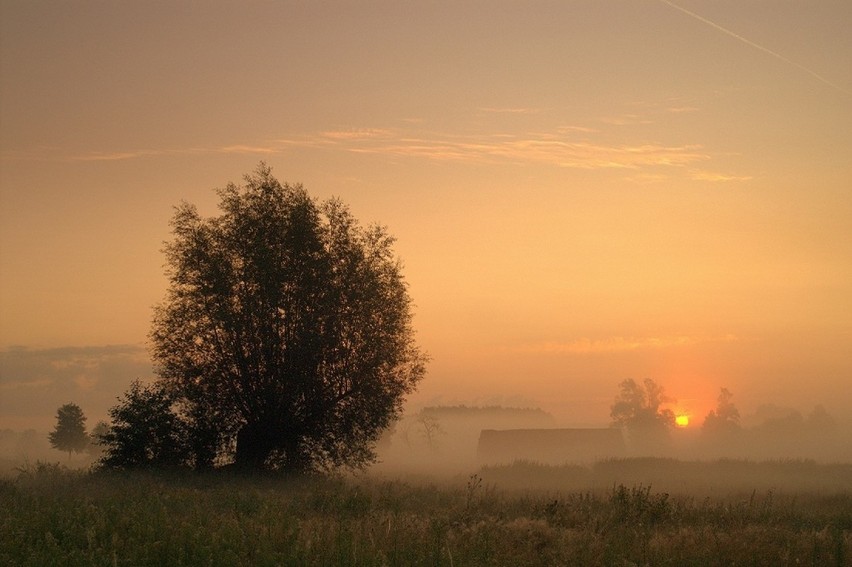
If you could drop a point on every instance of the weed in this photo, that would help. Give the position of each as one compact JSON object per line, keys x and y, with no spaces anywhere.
{"x":474,"y":484}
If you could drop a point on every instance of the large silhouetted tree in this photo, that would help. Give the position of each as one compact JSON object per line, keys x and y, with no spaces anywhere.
{"x":637,"y":408}
{"x":70,"y":431}
{"x":286,"y":330}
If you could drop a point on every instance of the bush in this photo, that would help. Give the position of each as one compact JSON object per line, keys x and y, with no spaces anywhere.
{"x":145,"y":431}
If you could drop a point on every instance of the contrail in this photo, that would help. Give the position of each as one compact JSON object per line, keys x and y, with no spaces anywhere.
{"x":758,"y":46}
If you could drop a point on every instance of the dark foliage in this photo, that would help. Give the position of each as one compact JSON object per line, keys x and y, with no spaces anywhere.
{"x":286,"y":332}
{"x":95,"y":446}
{"x":145,"y":431}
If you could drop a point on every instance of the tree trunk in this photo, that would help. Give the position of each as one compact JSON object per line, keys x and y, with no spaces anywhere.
{"x":256,"y":442}
{"x":253,"y":447}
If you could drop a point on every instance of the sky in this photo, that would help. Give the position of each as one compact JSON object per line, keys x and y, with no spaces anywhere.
{"x":582,"y":191}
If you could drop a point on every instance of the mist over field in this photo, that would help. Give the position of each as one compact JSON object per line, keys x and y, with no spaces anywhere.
{"x":440,"y":440}
{"x":445,"y":441}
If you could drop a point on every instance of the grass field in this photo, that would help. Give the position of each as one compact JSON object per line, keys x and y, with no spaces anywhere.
{"x":49,"y":516}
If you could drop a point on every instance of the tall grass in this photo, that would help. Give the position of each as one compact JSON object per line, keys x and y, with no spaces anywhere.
{"x":49,"y":516}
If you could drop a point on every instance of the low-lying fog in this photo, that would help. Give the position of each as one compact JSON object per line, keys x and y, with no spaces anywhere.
{"x":450,"y":440}
{"x":446,"y":441}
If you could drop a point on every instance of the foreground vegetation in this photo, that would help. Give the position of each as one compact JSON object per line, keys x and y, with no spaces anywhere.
{"x":50,"y":516}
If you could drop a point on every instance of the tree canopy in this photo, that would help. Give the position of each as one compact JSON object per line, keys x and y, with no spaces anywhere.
{"x":145,"y":431}
{"x":69,"y":434}
{"x":285,"y":337}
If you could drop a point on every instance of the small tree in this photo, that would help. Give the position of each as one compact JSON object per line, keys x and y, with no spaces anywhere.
{"x":70,"y":431}
{"x":145,"y":431}
{"x":430,"y":429}
{"x":637,"y":410}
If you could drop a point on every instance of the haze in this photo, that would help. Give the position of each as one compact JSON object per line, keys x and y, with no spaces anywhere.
{"x":582,"y":191}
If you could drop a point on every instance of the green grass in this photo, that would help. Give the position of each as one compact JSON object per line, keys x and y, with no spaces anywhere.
{"x":55,"y":517}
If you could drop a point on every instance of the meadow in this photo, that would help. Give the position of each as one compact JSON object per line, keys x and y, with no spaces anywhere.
{"x":779,"y":513}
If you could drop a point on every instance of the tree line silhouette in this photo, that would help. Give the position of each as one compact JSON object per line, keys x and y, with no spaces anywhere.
{"x":639,"y":410}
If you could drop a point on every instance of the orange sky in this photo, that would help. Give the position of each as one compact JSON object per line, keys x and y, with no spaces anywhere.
{"x":582,"y":191}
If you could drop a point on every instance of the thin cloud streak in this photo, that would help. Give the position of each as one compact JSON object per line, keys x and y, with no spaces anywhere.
{"x":758,"y":46}
{"x":581,"y":129}
{"x":245,"y":149}
{"x":541,"y":148}
{"x":547,"y":148}
{"x":118,"y":156}
{"x":587,"y":346}
{"x":232,"y":149}
{"x":567,"y":146}
{"x":626,"y":120}
{"x":518,"y":110}
{"x":699,"y":175}
{"x":358,"y":134}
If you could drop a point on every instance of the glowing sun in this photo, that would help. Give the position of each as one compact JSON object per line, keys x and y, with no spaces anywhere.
{"x":682,"y":420}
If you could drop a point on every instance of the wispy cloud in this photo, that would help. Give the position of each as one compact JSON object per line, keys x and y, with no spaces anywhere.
{"x":117,"y":156}
{"x":681,"y":109}
{"x":626,"y":120}
{"x":567,"y":146}
{"x":587,"y":346}
{"x":358,"y":134}
{"x":651,"y":177}
{"x":510,"y":110}
{"x":247,"y":149}
{"x":575,"y":129}
{"x":655,"y":107}
{"x":699,"y":175}
{"x":271,"y":147}
{"x":556,"y":148}
{"x":547,"y":148}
